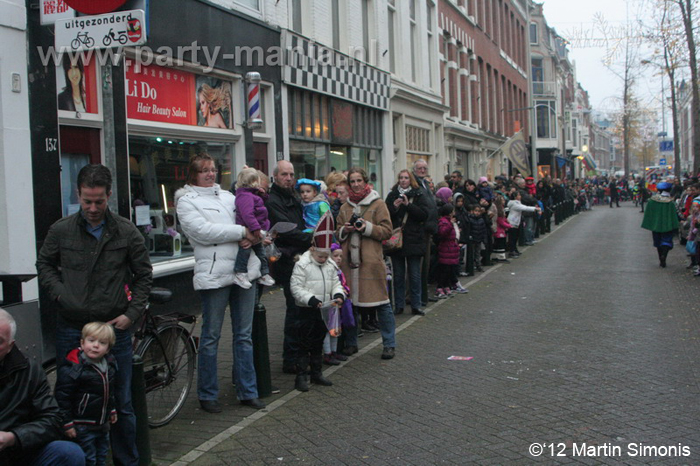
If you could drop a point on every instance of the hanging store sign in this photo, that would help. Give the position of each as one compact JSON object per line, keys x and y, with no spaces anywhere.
{"x":166,"y":95}
{"x":103,"y":31}
{"x":51,"y":11}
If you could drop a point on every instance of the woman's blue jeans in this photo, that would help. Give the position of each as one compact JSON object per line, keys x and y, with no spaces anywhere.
{"x":241,"y":303}
{"x":399,"y":264}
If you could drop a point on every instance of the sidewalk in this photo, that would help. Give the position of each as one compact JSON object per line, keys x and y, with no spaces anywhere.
{"x":192,"y":426}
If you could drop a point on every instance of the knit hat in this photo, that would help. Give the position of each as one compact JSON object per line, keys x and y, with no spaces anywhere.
{"x":323,"y":234}
{"x":664,"y":186}
{"x":314,"y":183}
{"x":444,"y":194}
{"x":335,"y":247}
{"x":483,"y":179}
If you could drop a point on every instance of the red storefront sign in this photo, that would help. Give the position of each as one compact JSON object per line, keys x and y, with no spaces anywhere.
{"x":155,"y":93}
{"x":95,"y":7}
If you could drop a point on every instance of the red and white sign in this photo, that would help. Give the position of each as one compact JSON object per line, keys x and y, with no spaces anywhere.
{"x":51,"y":11}
{"x":95,"y":7}
{"x":97,"y":32}
{"x":155,"y":93}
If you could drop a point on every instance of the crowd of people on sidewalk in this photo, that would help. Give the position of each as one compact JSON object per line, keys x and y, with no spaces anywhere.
{"x":347,"y":259}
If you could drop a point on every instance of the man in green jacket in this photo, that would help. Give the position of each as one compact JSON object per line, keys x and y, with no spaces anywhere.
{"x":95,"y":265}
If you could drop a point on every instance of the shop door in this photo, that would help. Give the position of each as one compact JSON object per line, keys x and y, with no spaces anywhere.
{"x":260,"y":157}
{"x":79,"y":147}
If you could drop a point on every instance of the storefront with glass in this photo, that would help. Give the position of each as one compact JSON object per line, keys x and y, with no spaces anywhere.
{"x":336,"y":112}
{"x":327,"y":134}
{"x":145,"y":116}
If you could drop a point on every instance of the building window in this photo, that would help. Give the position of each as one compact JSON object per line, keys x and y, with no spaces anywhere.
{"x":252,"y":4}
{"x":308,"y":115}
{"x":414,"y":46}
{"x":431,"y":43}
{"x":537,"y":76}
{"x":546,"y":119}
{"x":366,"y":25}
{"x":335,"y":13}
{"x":391,"y":10}
{"x":296,"y":16}
{"x":157,"y":168}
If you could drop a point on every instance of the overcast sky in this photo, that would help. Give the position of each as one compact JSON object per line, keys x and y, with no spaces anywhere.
{"x":580,"y":23}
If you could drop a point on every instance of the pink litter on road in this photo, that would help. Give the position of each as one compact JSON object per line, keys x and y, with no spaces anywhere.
{"x":460,"y":358}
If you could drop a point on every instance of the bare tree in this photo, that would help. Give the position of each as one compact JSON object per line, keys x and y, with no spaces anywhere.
{"x":687,"y":8}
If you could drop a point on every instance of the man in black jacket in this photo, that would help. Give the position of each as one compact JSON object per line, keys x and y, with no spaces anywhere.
{"x":30,"y":420}
{"x":420,"y":171}
{"x":284,"y":206}
{"x":95,"y":266}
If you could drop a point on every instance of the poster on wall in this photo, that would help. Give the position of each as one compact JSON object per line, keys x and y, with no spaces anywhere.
{"x":214,"y":106}
{"x":76,"y":84}
{"x":166,"y":95}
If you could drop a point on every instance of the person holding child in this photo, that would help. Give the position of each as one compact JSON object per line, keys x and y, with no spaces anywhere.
{"x":252,"y":214}
{"x":315,"y":282}
{"x":207,"y":216}
{"x":85,"y":391}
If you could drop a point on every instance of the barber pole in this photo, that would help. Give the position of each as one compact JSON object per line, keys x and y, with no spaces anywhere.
{"x":254,"y":120}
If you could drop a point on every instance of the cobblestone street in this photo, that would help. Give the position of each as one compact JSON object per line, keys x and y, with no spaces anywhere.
{"x":583,"y":342}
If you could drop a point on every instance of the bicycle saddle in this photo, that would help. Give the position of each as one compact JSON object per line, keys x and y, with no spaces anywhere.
{"x":160,"y":295}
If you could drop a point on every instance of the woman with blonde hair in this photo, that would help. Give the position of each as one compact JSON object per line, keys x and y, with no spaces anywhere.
{"x":213,"y":101}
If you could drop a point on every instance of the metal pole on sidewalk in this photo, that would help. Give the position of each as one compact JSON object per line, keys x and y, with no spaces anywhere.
{"x":138,"y":401}
{"x":261,"y":351}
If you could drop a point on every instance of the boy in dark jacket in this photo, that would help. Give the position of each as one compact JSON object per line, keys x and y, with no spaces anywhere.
{"x":85,"y":391}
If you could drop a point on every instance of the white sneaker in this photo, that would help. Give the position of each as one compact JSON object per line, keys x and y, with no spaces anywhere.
{"x":241,"y":279}
{"x":460,"y":289}
{"x":266,"y":280}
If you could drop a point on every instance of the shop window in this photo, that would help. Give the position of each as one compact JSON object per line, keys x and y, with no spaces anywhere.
{"x":368,"y":159}
{"x":157,"y":168}
{"x":309,"y":159}
{"x":79,"y":147}
{"x":308,"y":115}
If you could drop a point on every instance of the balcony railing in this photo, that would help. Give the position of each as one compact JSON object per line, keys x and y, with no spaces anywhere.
{"x":544,"y":89}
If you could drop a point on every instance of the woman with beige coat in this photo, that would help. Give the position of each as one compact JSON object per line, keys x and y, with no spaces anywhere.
{"x":364,"y":222}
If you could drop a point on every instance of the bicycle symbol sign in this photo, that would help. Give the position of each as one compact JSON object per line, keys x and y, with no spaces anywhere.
{"x":110,"y":30}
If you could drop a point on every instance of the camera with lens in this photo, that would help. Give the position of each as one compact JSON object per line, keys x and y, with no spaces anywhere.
{"x":355,"y":221}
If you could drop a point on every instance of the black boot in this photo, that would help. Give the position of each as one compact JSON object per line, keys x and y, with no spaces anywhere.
{"x":316,"y":374}
{"x":319,"y":379}
{"x":663,"y":253}
{"x":301,"y":383}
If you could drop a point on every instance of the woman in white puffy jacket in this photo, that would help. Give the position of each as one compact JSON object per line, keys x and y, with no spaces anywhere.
{"x":314,"y":281}
{"x":207,"y":214}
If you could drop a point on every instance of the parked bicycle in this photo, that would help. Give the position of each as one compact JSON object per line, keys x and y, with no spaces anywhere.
{"x":168,"y":349}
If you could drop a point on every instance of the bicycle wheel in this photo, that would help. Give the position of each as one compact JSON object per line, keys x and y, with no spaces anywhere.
{"x":168,"y":366}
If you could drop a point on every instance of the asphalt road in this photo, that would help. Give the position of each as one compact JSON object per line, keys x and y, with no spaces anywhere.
{"x":584,"y":347}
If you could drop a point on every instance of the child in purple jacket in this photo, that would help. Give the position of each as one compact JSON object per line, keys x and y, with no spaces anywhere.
{"x":252,"y":214}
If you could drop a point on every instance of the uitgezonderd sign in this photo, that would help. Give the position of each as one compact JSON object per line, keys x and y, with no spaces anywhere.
{"x":102,"y":31}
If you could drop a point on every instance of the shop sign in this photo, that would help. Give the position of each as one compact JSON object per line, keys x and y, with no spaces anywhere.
{"x":95,"y":7}
{"x":97,"y":32}
{"x":166,"y":95}
{"x":51,"y":11}
{"x":76,"y":85}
